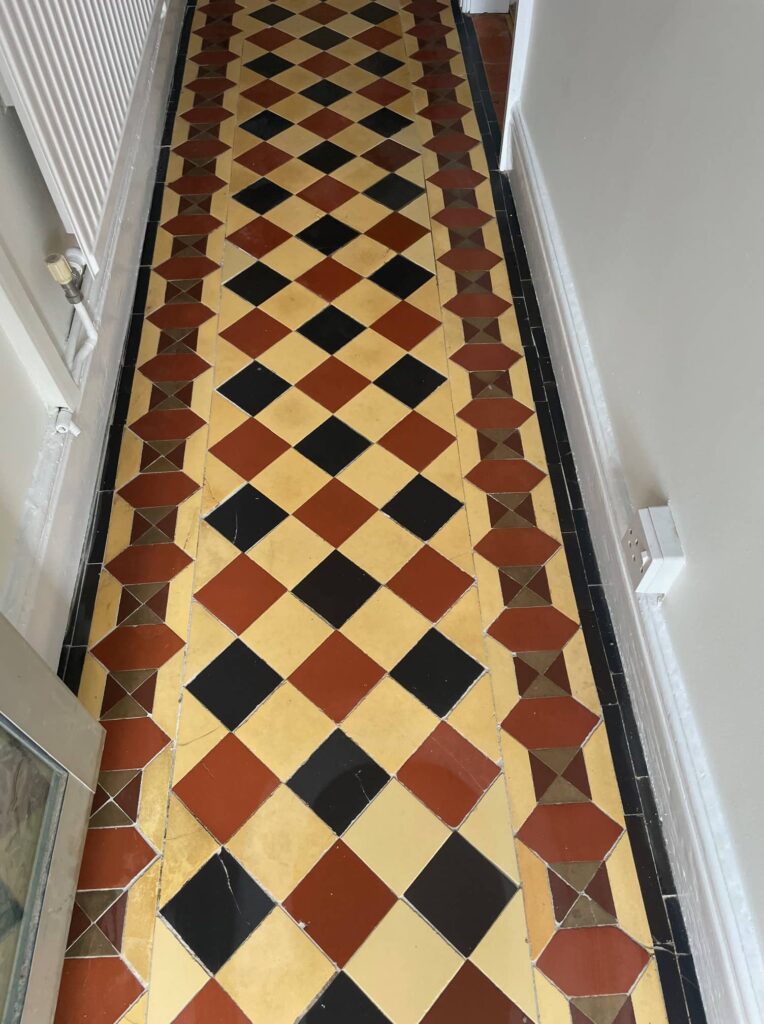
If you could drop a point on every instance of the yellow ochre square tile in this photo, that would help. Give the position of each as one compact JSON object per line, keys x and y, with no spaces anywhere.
{"x":175,"y":977}
{"x":489,"y":829}
{"x":381,"y":547}
{"x":372,"y":412}
{"x":188,"y":845}
{"x":286,"y":634}
{"x":290,"y":552}
{"x":281,"y":842}
{"x":285,"y":730}
{"x":503,"y":956}
{"x":390,"y":724}
{"x":377,"y":475}
{"x":291,"y":971}
{"x":386,"y":628}
{"x":292,"y":358}
{"x":291,"y":479}
{"x":396,"y":836}
{"x":404,"y":965}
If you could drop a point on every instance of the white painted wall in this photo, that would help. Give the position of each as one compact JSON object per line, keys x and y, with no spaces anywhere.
{"x":645,"y":125}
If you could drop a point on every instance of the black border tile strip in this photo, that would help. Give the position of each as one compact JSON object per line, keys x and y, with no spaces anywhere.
{"x":81,"y":612}
{"x":675,"y":962}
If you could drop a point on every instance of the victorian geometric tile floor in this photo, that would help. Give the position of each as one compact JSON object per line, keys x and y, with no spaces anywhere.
{"x":355,"y":766}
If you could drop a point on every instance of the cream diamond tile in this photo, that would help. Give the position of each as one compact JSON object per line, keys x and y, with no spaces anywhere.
{"x":359,"y":174}
{"x":377,"y":475}
{"x":219,"y":483}
{"x":396,"y":836}
{"x":294,"y":214}
{"x":207,"y":638}
{"x":404,"y":965}
{"x":175,"y":977}
{"x":356,"y":139}
{"x":291,"y":479}
{"x":294,"y":305}
{"x":290,"y":552}
{"x":386,"y":628}
{"x":291,"y":971}
{"x":475,"y":719}
{"x":235,"y":260}
{"x":502,"y":955}
{"x":293,"y":258}
{"x":285,"y":730}
{"x":281,"y":842}
{"x":371,"y":355}
{"x":188,"y":845}
{"x":363,"y":255}
{"x":292,"y":358}
{"x":213,"y":554}
{"x":372,"y":412}
{"x":286,"y":634}
{"x":294,"y":176}
{"x":365,"y":301}
{"x":381,"y":547}
{"x":224,"y":415}
{"x":462,"y":624}
{"x":488,"y":828}
{"x":198,"y":733}
{"x":390,"y":724}
{"x":359,"y":212}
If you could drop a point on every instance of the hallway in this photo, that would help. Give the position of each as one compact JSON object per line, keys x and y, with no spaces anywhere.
{"x":356,"y":768}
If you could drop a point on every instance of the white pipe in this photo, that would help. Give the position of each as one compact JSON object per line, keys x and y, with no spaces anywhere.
{"x":85,"y":350}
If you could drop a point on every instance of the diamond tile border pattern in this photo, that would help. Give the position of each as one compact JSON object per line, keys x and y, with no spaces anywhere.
{"x":226,"y":350}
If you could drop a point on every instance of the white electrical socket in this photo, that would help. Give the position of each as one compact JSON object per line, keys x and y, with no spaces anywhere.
{"x":654,"y":552}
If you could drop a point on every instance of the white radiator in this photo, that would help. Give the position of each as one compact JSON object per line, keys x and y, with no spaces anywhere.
{"x":71,"y":71}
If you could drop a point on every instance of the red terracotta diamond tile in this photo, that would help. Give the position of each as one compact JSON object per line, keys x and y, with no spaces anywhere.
{"x":324,"y":64}
{"x":416,"y":440}
{"x":323,"y":13}
{"x":167,"y":424}
{"x":181,"y":315}
{"x":382,"y":92}
{"x":148,"y":563}
{"x":468,"y":990}
{"x":561,"y":833}
{"x":430,"y":583}
{"x":469,"y":258}
{"x":376,"y":38}
{"x":405,"y":325}
{"x":174,"y":366}
{"x":517,"y":546}
{"x":185,"y":268}
{"x":486,"y":357}
{"x":336,"y":676}
{"x":196,"y":184}
{"x":212,"y":1006}
{"x":95,"y":990}
{"x":335,"y":512}
{"x":462,"y":216}
{"x":249,"y":448}
{"x":333,"y":383}
{"x":206,"y":115}
{"x":457,"y":177}
{"x":329,"y":279}
{"x":131,"y":743}
{"x":533,"y":629}
{"x":448,"y":774}
{"x":327,"y":194}
{"x":390,"y":155}
{"x":128,"y":648}
{"x":593,"y":961}
{"x":255,"y":333}
{"x":396,"y":232}
{"x":227,"y":786}
{"x":195,"y":225}
{"x":155,"y":490}
{"x":259,"y":237}
{"x":240,"y":593}
{"x":263,"y":158}
{"x":477,"y":304}
{"x":113,"y":857}
{"x":451,"y":142}
{"x":325,"y":123}
{"x":505,"y":476}
{"x":339,"y":903}
{"x":194,"y":148}
{"x":444,"y":110}
{"x":550,"y":722}
{"x":495,"y":412}
{"x":266,"y":93}
{"x":270,"y":38}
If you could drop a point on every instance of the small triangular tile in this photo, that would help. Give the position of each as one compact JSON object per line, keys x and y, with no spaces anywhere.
{"x":92,"y":943}
{"x":563,"y":896}
{"x":94,"y":902}
{"x":129,"y":798}
{"x":599,"y":890}
{"x":115,"y":782}
{"x":109,"y":816}
{"x":577,"y":873}
{"x":131,"y":680}
{"x":600,"y":1009}
{"x":127,"y":707}
{"x":563,"y":792}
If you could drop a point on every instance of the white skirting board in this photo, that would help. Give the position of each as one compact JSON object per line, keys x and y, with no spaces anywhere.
{"x":722,"y":935}
{"x":50,"y":548}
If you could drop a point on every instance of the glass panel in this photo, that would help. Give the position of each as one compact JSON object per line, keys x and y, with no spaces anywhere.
{"x":31,"y":791}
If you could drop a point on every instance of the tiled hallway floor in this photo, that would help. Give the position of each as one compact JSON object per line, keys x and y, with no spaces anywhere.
{"x":355,"y":769}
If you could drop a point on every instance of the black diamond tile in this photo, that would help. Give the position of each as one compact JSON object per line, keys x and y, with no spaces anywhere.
{"x":217,"y":910}
{"x":380,"y":64}
{"x":246,"y":517}
{"x":336,"y":588}
{"x":338,"y":781}
{"x":326,"y":157}
{"x":332,"y":446}
{"x":422,"y":507}
{"x":394,"y":192}
{"x":262,"y":195}
{"x":253,"y":388}
{"x":373,"y":12}
{"x":385,"y":122}
{"x":461,"y":893}
{"x":327,"y":234}
{"x":325,"y":93}
{"x":234,"y":684}
{"x":437,"y":672}
{"x":331,"y":329}
{"x":410,"y":381}
{"x":272,"y":14}
{"x":257,"y":283}
{"x":266,"y":124}
{"x":323,"y":38}
{"x":342,"y":1003}
{"x":269,"y":65}
{"x":400,"y":276}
